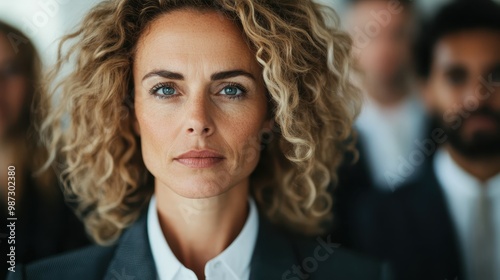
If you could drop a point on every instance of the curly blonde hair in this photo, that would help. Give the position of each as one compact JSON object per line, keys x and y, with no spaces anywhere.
{"x":306,"y":62}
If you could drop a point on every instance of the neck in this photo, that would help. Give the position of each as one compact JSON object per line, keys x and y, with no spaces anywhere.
{"x":481,"y":168}
{"x":197,"y":230}
{"x":387,"y":97}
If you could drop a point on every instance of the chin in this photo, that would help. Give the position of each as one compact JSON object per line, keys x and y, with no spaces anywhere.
{"x":197,"y":188}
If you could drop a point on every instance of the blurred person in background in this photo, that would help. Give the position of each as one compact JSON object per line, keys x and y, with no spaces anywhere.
{"x":392,"y":117}
{"x":445,"y":223}
{"x":44,"y":223}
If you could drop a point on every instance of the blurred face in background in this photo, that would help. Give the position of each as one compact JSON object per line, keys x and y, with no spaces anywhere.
{"x":382,"y":34}
{"x":13,"y":88}
{"x":463,"y":91}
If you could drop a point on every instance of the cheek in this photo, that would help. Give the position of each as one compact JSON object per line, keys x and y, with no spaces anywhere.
{"x":366,"y":58}
{"x":243,"y":136}
{"x":157,"y":136}
{"x":445,"y":97}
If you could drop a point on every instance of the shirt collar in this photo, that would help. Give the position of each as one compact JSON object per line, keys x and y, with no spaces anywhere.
{"x":235,"y":258}
{"x":456,"y":180}
{"x":409,"y":110}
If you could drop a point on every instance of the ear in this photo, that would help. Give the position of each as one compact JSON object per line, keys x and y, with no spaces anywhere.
{"x":266,"y":132}
{"x":268,"y":125}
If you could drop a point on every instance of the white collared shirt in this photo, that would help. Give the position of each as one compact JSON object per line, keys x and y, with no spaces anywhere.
{"x":389,"y":136}
{"x":462,"y":191}
{"x":232,"y":264}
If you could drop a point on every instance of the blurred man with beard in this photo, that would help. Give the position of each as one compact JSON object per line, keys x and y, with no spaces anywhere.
{"x":445,"y":222}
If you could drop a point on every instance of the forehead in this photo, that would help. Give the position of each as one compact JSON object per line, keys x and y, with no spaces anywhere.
{"x":472,"y":48}
{"x":363,"y":12}
{"x":190,"y":37}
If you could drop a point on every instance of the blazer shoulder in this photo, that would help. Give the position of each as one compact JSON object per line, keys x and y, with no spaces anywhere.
{"x":87,"y":263}
{"x":327,"y":260}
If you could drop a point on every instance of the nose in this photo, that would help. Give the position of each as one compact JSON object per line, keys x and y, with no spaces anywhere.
{"x":199,"y":120}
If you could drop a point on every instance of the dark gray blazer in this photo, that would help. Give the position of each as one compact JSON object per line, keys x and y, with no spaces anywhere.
{"x":411,"y":227}
{"x":277,"y":255}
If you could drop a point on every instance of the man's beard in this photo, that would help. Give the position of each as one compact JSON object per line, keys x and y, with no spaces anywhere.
{"x":481,"y":144}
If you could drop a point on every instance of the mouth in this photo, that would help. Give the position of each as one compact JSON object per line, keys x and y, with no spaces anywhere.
{"x":481,"y":123}
{"x":200,"y":159}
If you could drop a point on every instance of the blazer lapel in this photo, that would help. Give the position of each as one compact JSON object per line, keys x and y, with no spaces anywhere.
{"x":133,"y":258}
{"x":274,"y":253}
{"x":436,"y":230}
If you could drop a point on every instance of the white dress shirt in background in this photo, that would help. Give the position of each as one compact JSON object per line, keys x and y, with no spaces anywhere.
{"x":232,"y":264}
{"x":388,"y":137}
{"x":463,"y":192}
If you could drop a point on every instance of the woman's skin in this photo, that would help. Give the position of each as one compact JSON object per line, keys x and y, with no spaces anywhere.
{"x":198,"y":87}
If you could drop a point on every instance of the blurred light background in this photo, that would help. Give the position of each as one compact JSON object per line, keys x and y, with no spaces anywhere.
{"x":44,"y":21}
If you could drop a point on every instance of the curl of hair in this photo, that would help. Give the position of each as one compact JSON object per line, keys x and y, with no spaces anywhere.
{"x":306,"y":62}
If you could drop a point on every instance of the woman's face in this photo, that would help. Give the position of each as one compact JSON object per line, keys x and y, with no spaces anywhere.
{"x":13,"y":87}
{"x":200,"y":103}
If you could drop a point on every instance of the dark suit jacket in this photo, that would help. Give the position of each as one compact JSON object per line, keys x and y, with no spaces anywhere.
{"x":354,"y":181}
{"x":411,"y":228}
{"x":277,"y":255}
{"x":44,"y":227}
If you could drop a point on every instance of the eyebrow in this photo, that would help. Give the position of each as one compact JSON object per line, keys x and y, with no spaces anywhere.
{"x":164,"y":74}
{"x":230,"y":74}
{"x":214,"y":77}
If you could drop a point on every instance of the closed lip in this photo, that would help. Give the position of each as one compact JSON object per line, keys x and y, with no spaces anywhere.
{"x":200,"y":159}
{"x":200,"y":154}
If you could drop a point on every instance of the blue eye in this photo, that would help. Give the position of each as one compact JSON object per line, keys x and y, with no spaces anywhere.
{"x":166,"y":91}
{"x":232,"y":91}
{"x":163,"y":91}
